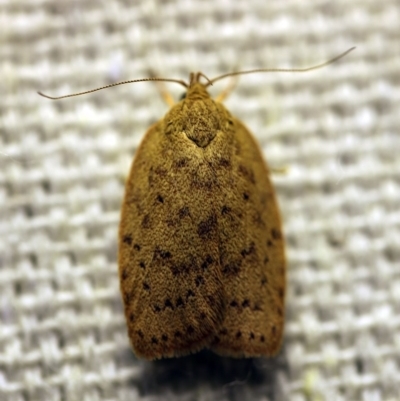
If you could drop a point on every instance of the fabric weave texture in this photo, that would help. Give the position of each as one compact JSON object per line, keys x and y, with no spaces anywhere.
{"x":63,"y":165}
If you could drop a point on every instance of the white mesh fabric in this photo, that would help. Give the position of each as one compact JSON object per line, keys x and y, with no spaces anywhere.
{"x":63,"y":164}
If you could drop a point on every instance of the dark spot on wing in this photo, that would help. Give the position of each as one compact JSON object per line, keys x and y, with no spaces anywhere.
{"x":276,"y":234}
{"x":206,"y":227}
{"x":127,"y":239}
{"x":231,"y":269}
{"x":183,"y":212}
{"x":207,"y":262}
{"x":146,"y":221}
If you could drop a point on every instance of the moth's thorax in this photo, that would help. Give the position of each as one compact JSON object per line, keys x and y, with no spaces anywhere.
{"x":198,"y":116}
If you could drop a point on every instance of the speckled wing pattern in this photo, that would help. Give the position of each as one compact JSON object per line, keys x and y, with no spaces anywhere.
{"x":169,"y":257}
{"x":253,"y":261}
{"x":201,"y":254}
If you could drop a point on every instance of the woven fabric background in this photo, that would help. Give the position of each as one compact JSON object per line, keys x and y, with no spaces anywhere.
{"x":62,"y":171}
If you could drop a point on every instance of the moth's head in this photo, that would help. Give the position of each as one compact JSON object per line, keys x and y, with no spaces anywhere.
{"x":196,"y":90}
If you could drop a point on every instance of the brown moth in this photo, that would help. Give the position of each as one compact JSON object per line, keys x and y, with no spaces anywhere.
{"x":201,"y":250}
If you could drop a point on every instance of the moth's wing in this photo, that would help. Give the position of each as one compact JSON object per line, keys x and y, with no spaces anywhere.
{"x":168,"y":250}
{"x":252,"y":255}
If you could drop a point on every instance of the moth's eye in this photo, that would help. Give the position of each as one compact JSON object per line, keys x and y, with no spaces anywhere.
{"x":183,"y":96}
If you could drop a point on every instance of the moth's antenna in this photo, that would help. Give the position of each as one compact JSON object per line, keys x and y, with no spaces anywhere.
{"x":210,"y":82}
{"x":315,"y":67}
{"x":183,"y":83}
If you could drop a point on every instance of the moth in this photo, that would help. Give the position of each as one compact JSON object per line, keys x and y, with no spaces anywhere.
{"x":201,"y":251}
